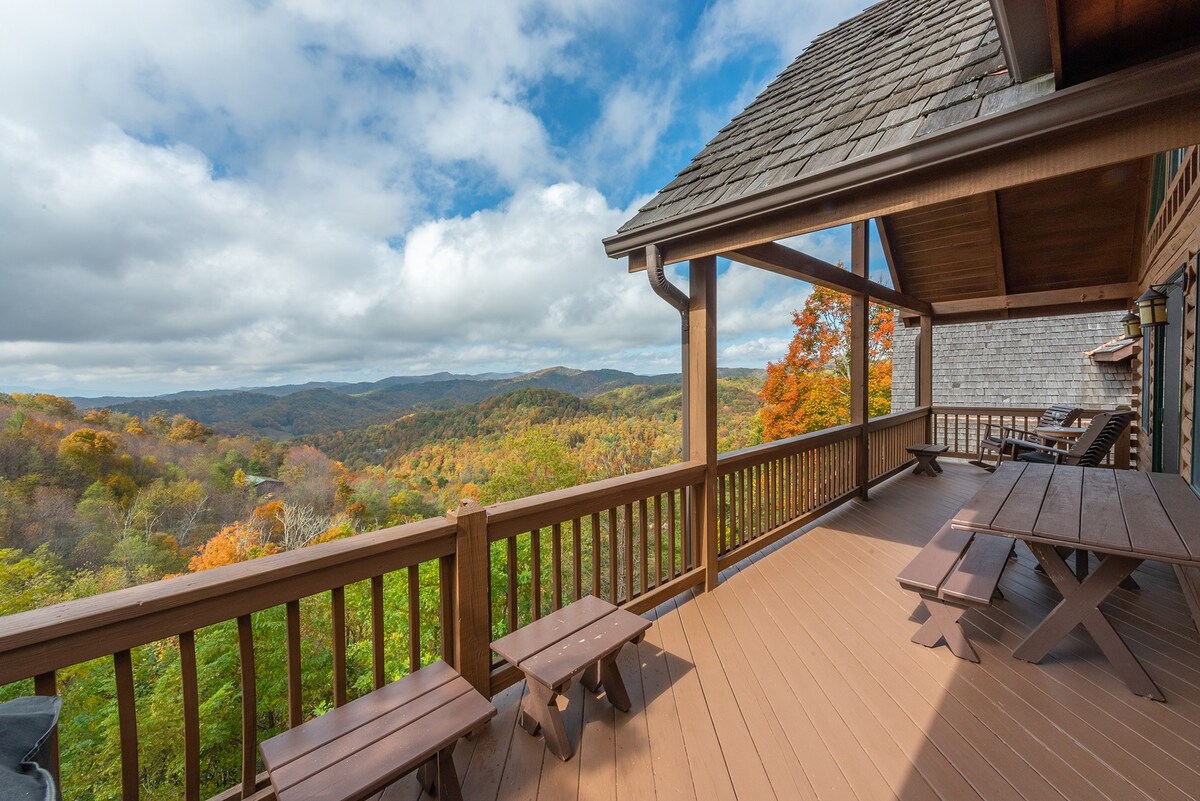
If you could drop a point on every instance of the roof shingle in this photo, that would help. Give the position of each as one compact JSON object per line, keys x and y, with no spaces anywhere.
{"x":900,"y":70}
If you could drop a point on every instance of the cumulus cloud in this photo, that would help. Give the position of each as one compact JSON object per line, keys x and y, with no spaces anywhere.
{"x":217,"y":193}
{"x":729,"y":26}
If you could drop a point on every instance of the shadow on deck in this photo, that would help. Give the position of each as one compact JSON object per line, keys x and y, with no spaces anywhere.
{"x":796,"y":679}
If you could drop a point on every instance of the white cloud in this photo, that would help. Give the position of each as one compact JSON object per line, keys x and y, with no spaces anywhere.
{"x":229,"y":192}
{"x":730,"y":26}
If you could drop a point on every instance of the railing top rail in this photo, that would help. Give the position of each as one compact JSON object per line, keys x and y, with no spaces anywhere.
{"x":897,"y":418}
{"x":75,"y":631}
{"x":525,"y":514}
{"x":755,"y":454}
{"x":1020,"y":411}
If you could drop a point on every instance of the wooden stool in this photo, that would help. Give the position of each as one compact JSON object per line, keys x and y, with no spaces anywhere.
{"x":585,"y":637}
{"x":926,"y":455}
{"x":358,"y":749}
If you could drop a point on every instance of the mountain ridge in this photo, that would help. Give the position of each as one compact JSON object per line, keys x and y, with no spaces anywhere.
{"x":295,"y":410}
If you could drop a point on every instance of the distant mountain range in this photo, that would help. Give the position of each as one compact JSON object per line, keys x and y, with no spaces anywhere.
{"x":293,"y":410}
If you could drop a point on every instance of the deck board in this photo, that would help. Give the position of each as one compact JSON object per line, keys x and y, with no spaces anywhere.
{"x":796,"y":679}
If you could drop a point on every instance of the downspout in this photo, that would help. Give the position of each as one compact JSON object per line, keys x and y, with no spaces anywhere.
{"x":678,"y":301}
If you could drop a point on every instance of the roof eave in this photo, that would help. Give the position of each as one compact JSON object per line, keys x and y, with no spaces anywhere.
{"x":1109,"y":97}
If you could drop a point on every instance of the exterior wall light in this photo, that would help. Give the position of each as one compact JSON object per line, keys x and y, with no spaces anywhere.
{"x":1152,"y":306}
{"x":1131,"y":326}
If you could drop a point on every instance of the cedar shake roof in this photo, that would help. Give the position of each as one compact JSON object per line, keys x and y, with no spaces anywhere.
{"x":899,"y":71}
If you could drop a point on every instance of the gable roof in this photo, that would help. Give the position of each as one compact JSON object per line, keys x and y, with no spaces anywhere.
{"x":901,"y":70}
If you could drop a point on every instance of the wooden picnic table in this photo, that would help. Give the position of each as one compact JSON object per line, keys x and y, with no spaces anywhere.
{"x":1124,"y":516}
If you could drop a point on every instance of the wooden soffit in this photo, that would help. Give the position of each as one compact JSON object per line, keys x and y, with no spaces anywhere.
{"x":1112,"y":120}
{"x":1028,"y":250}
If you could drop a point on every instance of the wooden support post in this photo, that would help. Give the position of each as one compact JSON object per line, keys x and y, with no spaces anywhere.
{"x":925,"y":371}
{"x":702,"y":410}
{"x":472,"y":596}
{"x":860,"y":354}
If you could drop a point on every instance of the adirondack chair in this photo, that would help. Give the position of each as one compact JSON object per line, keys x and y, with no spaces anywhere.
{"x":995,"y":436}
{"x":1088,"y":451}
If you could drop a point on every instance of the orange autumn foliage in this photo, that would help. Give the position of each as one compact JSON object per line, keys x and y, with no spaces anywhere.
{"x":809,"y":389}
{"x":234,"y":543}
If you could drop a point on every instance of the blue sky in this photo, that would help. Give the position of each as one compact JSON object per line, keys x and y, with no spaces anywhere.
{"x":238,"y":192}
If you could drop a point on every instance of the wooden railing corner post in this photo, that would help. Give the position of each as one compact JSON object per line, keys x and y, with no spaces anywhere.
{"x":472,"y":597}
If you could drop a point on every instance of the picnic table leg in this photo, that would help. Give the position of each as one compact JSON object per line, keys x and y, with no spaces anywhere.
{"x":539,"y":710}
{"x":614,"y":685}
{"x":437,"y":776}
{"x":591,"y":677}
{"x":944,"y":620}
{"x":1080,"y":604}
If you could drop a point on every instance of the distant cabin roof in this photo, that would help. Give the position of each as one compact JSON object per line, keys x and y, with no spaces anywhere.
{"x":900,"y":70}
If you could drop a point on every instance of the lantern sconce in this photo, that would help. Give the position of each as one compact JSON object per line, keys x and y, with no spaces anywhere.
{"x":1131,"y":326}
{"x":1152,"y":306}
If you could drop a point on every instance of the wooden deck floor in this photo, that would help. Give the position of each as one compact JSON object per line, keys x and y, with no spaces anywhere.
{"x":796,"y":679}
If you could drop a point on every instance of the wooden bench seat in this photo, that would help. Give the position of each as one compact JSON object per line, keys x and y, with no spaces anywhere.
{"x":955,"y":571}
{"x":362,"y":747}
{"x":584,"y":637}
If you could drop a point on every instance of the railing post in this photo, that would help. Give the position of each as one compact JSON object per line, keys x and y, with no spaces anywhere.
{"x":702,"y":411}
{"x":472,"y":596}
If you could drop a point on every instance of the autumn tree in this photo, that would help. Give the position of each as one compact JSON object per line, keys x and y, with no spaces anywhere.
{"x":809,"y":389}
{"x":236,"y":542}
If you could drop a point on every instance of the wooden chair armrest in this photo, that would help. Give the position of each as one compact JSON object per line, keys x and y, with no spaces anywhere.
{"x":1034,"y":446}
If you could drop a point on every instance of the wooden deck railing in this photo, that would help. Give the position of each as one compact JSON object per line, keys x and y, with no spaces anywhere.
{"x":437,"y":588}
{"x":768,"y":491}
{"x":961,"y":428}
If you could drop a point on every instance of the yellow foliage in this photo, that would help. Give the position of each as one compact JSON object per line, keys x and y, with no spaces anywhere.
{"x":234,"y":543}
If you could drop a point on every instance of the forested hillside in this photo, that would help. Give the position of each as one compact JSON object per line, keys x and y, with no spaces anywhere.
{"x":96,"y":500}
{"x":101,"y":499}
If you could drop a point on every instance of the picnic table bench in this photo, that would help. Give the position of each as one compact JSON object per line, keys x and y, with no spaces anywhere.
{"x":356,"y":750}
{"x":954,"y":572}
{"x":584,"y":637}
{"x":926,"y":454}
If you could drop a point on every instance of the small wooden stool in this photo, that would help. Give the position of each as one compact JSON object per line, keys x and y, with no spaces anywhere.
{"x":585,"y":637}
{"x":926,"y":455}
{"x":358,"y":749}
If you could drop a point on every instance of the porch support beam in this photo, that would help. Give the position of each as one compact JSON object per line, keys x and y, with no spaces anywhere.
{"x":786,"y":261}
{"x":925,"y":371}
{"x":702,"y":412}
{"x":1028,"y":300}
{"x":860,"y":353}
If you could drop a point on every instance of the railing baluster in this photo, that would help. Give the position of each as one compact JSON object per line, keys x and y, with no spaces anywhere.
{"x":47,"y":684}
{"x":658,"y":540}
{"x":414,"y":619}
{"x":722,"y":523}
{"x":446,"y":607}
{"x":338,"y":614}
{"x":378,"y":677}
{"x":556,"y":565}
{"x":535,"y":573}
{"x":612,"y":556}
{"x":191,"y":716}
{"x":628,"y":555}
{"x":577,"y":556}
{"x":295,"y":689}
{"x":671,"y":527}
{"x":127,"y":721}
{"x":597,"y":562}
{"x":643,"y":543}
{"x":249,"y":706}
{"x":511,"y":600}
